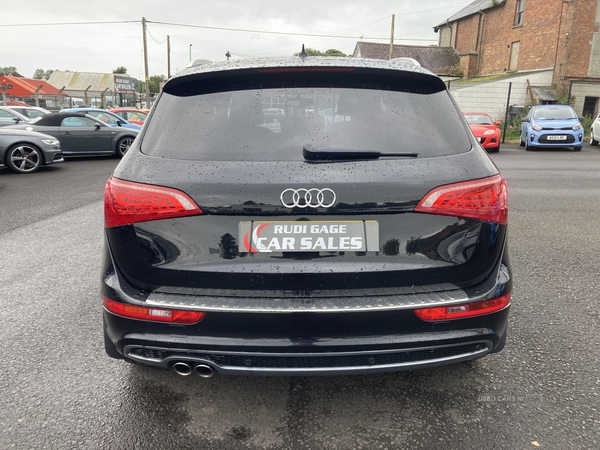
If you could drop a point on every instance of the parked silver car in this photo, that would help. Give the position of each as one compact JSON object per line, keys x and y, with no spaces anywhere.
{"x":10,"y":117}
{"x":30,"y":111}
{"x":25,"y":151}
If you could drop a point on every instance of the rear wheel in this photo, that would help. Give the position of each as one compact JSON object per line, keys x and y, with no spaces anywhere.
{"x":24,"y":158}
{"x":123,"y":146}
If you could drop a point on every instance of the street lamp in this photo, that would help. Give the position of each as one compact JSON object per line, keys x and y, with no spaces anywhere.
{"x":190,"y":52}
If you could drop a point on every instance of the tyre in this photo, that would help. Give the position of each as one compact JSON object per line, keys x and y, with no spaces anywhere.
{"x":593,"y":141}
{"x":528,"y":147}
{"x":123,"y":145}
{"x":494,"y":149}
{"x":24,"y":158}
{"x":521,"y":144}
{"x":577,"y":149}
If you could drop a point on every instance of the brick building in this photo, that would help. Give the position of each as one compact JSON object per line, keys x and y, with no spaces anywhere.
{"x":512,"y":36}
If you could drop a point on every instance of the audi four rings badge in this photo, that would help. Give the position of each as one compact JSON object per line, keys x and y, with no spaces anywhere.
{"x":302,"y":198}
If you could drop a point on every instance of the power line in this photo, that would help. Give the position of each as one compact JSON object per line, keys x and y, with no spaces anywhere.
{"x":285,"y":33}
{"x":153,"y":38}
{"x":66,"y":23}
{"x":203,"y":27}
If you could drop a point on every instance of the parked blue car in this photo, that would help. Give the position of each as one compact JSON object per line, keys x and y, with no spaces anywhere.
{"x":551,"y":126}
{"x":109,"y":118}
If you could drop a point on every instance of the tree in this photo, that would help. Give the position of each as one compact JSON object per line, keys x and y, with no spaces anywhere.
{"x":121,"y":70}
{"x":139,"y":85}
{"x":155,"y":81}
{"x":315,"y":52}
{"x":334,"y":52}
{"x":41,"y":73}
{"x":8,"y":70}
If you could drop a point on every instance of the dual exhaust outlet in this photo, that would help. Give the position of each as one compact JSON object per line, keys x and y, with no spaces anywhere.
{"x":184,"y":369}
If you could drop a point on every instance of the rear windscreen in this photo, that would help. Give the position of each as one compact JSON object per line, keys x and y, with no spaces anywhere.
{"x":275,"y":124}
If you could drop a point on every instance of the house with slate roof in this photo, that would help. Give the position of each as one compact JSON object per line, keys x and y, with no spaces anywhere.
{"x":443,"y":61}
{"x":495,"y":37}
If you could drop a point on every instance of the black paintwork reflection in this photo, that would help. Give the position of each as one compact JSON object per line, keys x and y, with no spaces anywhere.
{"x":391,"y":247}
{"x":157,"y":250}
{"x":453,"y":244}
{"x":251,"y":208}
{"x":228,"y":247}
{"x":187,"y":252}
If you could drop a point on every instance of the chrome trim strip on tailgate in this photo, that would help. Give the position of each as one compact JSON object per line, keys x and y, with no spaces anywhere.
{"x":308,"y":304}
{"x":435,"y":296}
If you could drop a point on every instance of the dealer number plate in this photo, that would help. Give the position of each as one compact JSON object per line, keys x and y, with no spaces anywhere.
{"x":556,"y":138}
{"x":308,"y":236}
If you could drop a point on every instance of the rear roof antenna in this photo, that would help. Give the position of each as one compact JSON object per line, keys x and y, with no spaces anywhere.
{"x":303,"y":53}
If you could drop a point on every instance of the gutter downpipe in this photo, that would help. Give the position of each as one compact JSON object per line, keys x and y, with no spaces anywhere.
{"x":480,"y":38}
{"x":562,"y":4}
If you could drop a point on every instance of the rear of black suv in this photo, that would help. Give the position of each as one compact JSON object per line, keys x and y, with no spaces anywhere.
{"x":364,"y":231}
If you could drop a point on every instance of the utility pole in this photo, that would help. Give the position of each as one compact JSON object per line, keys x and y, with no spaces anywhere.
{"x":168,"y":56}
{"x":392,"y":37}
{"x":146,"y":63}
{"x":190,"y":52}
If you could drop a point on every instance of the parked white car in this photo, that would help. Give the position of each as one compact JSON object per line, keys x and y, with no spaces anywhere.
{"x":595,"y":131}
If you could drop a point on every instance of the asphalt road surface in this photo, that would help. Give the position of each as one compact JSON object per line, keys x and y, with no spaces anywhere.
{"x":58,"y":390}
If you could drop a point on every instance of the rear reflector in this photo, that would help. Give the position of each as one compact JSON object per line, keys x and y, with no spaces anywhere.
{"x":463,"y":310}
{"x":126,"y":202}
{"x":153,"y":314}
{"x":485,"y":199}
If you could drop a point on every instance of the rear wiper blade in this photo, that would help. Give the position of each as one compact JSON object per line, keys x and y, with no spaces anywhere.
{"x":331,"y":154}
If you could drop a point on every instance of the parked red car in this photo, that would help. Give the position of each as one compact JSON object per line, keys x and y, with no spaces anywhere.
{"x":485,"y":130}
{"x":131,"y":115}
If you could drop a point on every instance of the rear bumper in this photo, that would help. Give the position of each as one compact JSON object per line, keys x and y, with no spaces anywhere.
{"x":308,"y":340}
{"x":331,"y":361}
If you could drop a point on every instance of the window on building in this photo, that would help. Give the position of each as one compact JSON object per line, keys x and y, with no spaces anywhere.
{"x":514,"y":56}
{"x":589,"y":106}
{"x":519,"y":12}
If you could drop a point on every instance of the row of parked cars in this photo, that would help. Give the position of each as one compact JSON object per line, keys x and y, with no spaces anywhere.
{"x":543,"y":126}
{"x":31,"y":137}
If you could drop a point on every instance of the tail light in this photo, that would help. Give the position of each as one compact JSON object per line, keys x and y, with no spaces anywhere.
{"x":126,"y":202}
{"x":464,"y":310}
{"x":485,"y":199}
{"x":176,"y":316}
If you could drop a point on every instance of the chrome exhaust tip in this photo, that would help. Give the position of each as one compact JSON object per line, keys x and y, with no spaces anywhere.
{"x":182,"y":368}
{"x":204,"y":371}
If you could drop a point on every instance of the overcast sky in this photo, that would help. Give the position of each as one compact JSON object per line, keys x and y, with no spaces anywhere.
{"x":102,"y":47}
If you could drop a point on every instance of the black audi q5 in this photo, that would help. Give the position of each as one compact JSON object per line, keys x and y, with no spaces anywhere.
{"x":364,"y":231}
